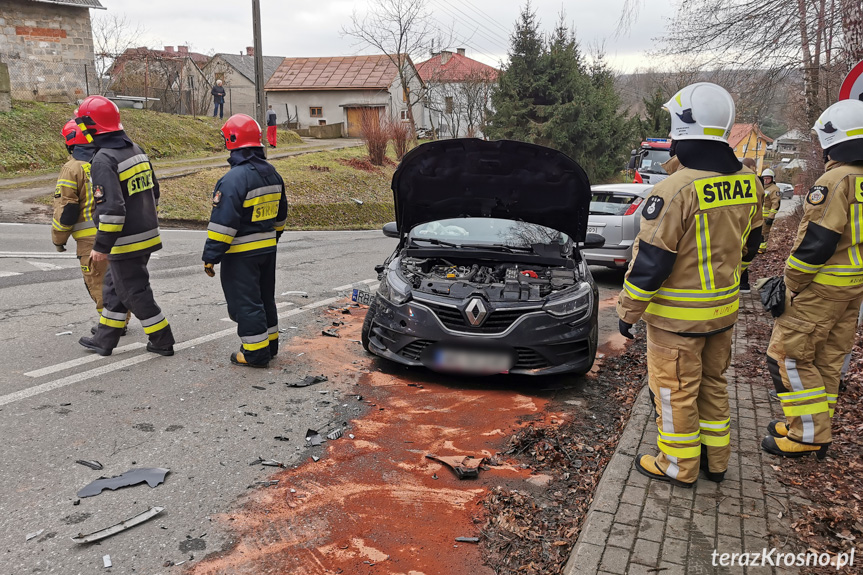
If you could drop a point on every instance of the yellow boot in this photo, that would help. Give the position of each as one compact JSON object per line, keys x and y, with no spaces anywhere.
{"x":777,"y":428}
{"x":788,"y":448}
{"x":646,"y":465}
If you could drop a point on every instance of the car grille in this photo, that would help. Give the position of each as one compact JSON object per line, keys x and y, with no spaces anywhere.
{"x":414,"y":349}
{"x":497,"y":321}
{"x":529,"y":359}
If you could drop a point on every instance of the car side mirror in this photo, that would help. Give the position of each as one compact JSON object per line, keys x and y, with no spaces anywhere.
{"x":391,"y":230}
{"x":633,"y":155}
{"x":594,"y":241}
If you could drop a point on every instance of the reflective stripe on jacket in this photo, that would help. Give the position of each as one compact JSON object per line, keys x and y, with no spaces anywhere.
{"x":772,"y":201}
{"x":73,"y":203}
{"x":826,"y":255}
{"x":685,"y":272}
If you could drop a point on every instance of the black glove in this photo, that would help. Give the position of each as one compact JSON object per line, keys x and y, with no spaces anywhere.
{"x":625,"y":329}
{"x":769,"y":221}
{"x":773,"y":295}
{"x":208,"y":269}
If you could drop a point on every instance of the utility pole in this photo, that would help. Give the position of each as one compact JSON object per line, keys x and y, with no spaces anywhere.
{"x":260,"y":96}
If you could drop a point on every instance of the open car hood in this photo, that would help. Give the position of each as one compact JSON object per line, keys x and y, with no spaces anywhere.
{"x":467,"y":177}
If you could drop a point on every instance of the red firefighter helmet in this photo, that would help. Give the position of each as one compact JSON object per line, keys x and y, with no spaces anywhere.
{"x":241,"y":131}
{"x":72,"y":134}
{"x":98,"y":115}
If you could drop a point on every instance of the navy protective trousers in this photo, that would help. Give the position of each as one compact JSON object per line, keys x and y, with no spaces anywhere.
{"x":249,"y":283}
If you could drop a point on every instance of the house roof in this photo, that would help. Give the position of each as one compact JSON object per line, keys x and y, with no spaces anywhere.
{"x":132,"y":53}
{"x":375,"y":72}
{"x":245,"y":65}
{"x":76,"y":3}
{"x":457,"y":68}
{"x":794,"y":135}
{"x":740,"y":131}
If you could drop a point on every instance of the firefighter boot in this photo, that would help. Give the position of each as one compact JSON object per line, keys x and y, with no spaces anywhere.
{"x":787,"y":448}
{"x":777,"y":428}
{"x":646,"y":465}
{"x":91,"y":345}
{"x":166,"y":351}
{"x":238,"y":358}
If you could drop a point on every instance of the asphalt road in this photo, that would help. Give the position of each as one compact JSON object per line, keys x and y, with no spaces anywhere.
{"x":192,"y":413}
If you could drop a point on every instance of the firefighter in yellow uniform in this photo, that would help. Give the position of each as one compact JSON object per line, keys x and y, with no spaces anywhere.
{"x":684,"y":282}
{"x":73,"y":210}
{"x":772,"y":201}
{"x":824,"y":291}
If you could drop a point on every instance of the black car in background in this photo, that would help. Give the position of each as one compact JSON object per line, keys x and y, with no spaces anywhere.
{"x":487,"y":276}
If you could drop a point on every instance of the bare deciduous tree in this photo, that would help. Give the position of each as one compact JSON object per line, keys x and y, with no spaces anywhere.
{"x":113,"y":34}
{"x":462,"y":103}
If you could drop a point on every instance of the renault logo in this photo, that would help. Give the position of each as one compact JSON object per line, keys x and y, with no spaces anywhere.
{"x":475,"y":312}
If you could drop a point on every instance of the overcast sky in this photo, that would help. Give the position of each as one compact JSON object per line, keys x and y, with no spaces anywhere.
{"x":313,"y":28}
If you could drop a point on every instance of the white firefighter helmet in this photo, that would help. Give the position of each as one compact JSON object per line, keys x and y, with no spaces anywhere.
{"x":768,"y":173}
{"x":839,"y":123}
{"x":701,"y":111}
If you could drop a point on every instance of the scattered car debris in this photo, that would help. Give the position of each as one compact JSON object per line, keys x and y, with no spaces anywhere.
{"x":34,"y":535}
{"x":346,"y":310}
{"x":282,"y":438}
{"x":357,"y":201}
{"x":153,"y":476}
{"x":267,"y":483}
{"x":64,"y":333}
{"x":467,"y":539}
{"x":106,"y":561}
{"x":313,"y":437}
{"x":95,"y":465}
{"x":299,"y":293}
{"x":119,"y":527}
{"x":268,"y":462}
{"x":330,"y":332}
{"x":285,"y":329}
{"x":315,"y":458}
{"x":259,"y":387}
{"x":308,"y":380}
{"x":334,"y":434}
{"x":351,"y":435}
{"x":464,"y":466}
{"x":338,"y":323}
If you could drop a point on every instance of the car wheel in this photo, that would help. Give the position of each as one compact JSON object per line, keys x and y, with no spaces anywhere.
{"x":367,"y":324}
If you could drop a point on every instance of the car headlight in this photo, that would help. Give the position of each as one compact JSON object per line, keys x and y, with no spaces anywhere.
{"x":394,"y":289}
{"x":571,"y":302}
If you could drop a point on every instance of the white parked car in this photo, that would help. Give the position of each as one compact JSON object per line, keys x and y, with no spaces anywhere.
{"x":615,"y":214}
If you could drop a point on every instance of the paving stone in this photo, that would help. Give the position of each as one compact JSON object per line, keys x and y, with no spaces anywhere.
{"x":633,"y":494}
{"x":628,"y":514}
{"x":677,"y":527}
{"x":584,"y":560}
{"x":728,"y":525}
{"x":659,"y":490}
{"x":755,"y":526}
{"x":645,"y":552}
{"x":651,"y":529}
{"x":705,"y":524}
{"x":666,"y":568}
{"x":615,"y":560}
{"x":655,"y":509}
{"x":621,"y":535}
{"x":752,"y":506}
{"x":596,"y":528}
{"x":675,"y":511}
{"x":704,"y":503}
{"x":675,"y":550}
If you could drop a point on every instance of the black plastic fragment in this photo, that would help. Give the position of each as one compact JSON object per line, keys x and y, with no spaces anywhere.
{"x":152,"y":476}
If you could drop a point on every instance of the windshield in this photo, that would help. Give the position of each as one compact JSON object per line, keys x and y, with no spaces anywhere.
{"x":610,"y":203}
{"x":652,"y":160}
{"x":488,"y":232}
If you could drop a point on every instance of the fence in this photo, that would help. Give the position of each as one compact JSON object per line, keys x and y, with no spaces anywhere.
{"x":47,"y":80}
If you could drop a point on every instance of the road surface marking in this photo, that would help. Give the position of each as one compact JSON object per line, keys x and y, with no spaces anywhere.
{"x":117,"y":365}
{"x":9,"y":274}
{"x":37,"y":255}
{"x":45,"y":266}
{"x":350,"y":286}
{"x":81,"y":361}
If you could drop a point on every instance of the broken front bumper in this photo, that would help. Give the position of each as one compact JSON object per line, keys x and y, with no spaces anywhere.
{"x":540,"y":343}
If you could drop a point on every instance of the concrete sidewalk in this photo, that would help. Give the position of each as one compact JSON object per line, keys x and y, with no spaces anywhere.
{"x":639,"y":526}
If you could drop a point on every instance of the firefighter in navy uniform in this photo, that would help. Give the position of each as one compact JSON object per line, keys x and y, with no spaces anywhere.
{"x":126,"y":195}
{"x":824,"y":292}
{"x":684,"y":282}
{"x":248,"y":217}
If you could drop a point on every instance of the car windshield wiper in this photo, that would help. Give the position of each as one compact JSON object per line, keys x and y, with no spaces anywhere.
{"x":494,"y":247}
{"x":438,"y":242}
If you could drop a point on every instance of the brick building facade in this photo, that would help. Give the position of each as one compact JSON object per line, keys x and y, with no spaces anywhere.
{"x":48,"y":46}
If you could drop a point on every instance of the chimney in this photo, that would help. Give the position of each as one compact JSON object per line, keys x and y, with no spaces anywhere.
{"x":460,"y":51}
{"x":169,"y":49}
{"x":183,"y":49}
{"x":445,"y":55}
{"x":250,"y":50}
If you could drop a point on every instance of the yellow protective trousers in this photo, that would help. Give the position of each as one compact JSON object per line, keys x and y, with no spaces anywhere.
{"x":686,"y":377}
{"x":805,"y":356}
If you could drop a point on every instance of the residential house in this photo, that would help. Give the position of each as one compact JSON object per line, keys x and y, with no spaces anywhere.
{"x":338,"y":90}
{"x":237,"y":72}
{"x":48,"y":47}
{"x":789,"y":146}
{"x":459,"y":93}
{"x":160,"y":74}
{"x":748,"y":142}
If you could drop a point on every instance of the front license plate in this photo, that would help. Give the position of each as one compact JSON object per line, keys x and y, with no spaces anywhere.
{"x":362,"y":297}
{"x":479,"y":362}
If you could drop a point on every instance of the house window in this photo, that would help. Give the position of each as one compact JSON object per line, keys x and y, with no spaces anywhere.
{"x":758,"y":148}
{"x":316,"y":112}
{"x":404,"y":116}
{"x":220,"y":76}
{"x":449,"y":104}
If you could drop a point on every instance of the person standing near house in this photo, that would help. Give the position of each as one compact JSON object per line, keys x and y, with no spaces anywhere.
{"x":271,"y":126}
{"x":772,"y":201}
{"x":246,"y":222}
{"x":218,"y":93}
{"x":683,"y":280}
{"x":125,"y":193}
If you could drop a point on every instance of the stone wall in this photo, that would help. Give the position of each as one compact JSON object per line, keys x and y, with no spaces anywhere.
{"x":48,"y":48}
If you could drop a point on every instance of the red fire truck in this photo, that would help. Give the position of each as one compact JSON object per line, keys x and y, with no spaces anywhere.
{"x":648,"y":159}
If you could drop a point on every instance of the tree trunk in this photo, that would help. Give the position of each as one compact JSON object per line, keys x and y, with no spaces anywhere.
{"x":810,"y":67}
{"x":852,"y":28}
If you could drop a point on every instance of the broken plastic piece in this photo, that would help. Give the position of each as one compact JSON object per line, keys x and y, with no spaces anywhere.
{"x":91,"y":464}
{"x":299,"y":293}
{"x":106,"y":561}
{"x":315,"y":458}
{"x":64,"y":333}
{"x":268,"y":462}
{"x":467,"y":539}
{"x":330,"y":333}
{"x":313,"y":437}
{"x":153,"y":476}
{"x":34,"y":535}
{"x":464,"y":466}
{"x":122,"y":526}
{"x":267,"y":483}
{"x":357,"y":201}
{"x":334,"y":434}
{"x":308,"y":380}
{"x":282,"y":438}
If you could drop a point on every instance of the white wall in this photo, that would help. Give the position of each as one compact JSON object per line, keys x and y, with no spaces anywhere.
{"x":299,"y":103}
